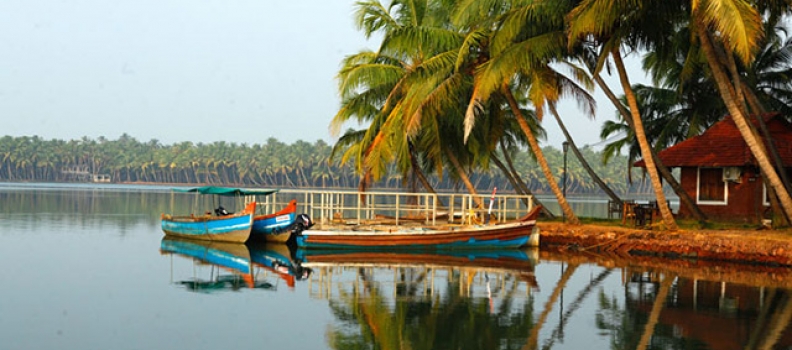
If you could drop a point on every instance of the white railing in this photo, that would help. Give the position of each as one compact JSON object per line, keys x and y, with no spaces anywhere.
{"x":355,"y":207}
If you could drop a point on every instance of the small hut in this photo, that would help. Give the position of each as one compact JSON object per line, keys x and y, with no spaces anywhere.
{"x":721,"y":175}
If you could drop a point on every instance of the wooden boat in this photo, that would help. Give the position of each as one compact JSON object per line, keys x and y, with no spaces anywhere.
{"x":270,"y":227}
{"x":373,"y":237}
{"x":226,"y":228}
{"x":275,"y":227}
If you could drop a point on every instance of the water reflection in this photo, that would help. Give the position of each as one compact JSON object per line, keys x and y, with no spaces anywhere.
{"x":232,"y":266}
{"x":487,"y":300}
{"x":472,"y":300}
{"x":669,"y":312}
{"x":355,"y":299}
{"x":688,"y":304}
{"x":278,"y":259}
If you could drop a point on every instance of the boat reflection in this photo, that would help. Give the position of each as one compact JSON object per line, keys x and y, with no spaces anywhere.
{"x":513,"y":262}
{"x":278,"y":258}
{"x":232,"y":266}
{"x":425,"y":300}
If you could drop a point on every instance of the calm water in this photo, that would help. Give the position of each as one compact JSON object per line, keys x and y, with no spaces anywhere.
{"x":87,"y":267}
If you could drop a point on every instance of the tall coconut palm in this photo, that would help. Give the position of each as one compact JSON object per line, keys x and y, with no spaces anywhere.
{"x":422,"y":103}
{"x":614,"y":148}
{"x":528,"y":38}
{"x":768,"y":86}
{"x":678,"y":64}
{"x":739,"y":26}
{"x":609,"y":24}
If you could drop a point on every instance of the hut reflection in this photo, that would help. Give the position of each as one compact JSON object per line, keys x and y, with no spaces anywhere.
{"x":686,"y":312}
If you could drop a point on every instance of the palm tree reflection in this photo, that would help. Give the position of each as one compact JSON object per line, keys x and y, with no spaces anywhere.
{"x":432,"y":308}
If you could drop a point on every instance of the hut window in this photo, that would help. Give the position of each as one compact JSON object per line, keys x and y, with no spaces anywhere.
{"x":711,"y":187}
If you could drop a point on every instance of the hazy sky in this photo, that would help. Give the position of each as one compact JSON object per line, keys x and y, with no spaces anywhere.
{"x":178,"y":70}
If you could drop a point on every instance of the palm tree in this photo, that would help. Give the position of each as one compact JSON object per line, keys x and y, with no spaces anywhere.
{"x":516,"y":61}
{"x":582,"y":160}
{"x":614,"y":148}
{"x":413,"y":110}
{"x":609,"y":25}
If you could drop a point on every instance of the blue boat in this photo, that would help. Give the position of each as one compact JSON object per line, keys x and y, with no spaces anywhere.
{"x":225,"y":228}
{"x":274,"y":227}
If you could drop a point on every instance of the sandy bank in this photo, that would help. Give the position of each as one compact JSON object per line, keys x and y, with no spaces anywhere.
{"x":760,"y":247}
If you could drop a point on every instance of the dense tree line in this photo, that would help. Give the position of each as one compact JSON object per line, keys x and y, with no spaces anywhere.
{"x":271,"y":164}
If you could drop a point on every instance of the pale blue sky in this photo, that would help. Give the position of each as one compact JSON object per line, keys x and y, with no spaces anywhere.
{"x":178,"y":70}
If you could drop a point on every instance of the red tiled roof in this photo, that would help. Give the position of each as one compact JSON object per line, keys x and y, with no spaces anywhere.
{"x":722,"y":145}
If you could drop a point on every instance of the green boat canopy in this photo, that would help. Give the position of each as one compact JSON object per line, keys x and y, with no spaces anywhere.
{"x":228,"y":191}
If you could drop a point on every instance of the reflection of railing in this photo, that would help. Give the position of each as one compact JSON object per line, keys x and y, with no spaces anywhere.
{"x":423,"y":281}
{"x":324,"y":206}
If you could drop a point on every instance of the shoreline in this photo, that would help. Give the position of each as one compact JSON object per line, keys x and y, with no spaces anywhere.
{"x":772,"y":248}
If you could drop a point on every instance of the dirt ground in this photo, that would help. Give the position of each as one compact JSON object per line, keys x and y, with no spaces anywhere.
{"x":752,"y":247}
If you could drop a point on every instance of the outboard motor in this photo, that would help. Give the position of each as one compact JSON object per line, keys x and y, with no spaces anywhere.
{"x":302,"y":222}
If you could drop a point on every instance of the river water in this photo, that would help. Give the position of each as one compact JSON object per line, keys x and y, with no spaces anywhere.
{"x":87,"y":267}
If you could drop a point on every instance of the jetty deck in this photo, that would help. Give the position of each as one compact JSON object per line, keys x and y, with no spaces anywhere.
{"x":327,"y":207}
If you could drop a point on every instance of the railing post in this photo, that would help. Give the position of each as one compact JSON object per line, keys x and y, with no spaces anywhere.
{"x":320,"y":206}
{"x":471,"y":212}
{"x":451,"y":208}
{"x":397,"y":209}
{"x":434,"y":210}
{"x":357,"y":198}
{"x":427,"y":209}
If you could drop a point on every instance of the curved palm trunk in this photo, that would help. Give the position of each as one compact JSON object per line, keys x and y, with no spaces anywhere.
{"x":761,"y":320}
{"x":515,"y":182}
{"x":753,"y":101}
{"x":745,"y":98}
{"x":654,"y":315}
{"x":778,"y":324}
{"x":562,"y":202}
{"x":574,"y":306}
{"x":522,"y":184}
{"x":465,"y":179}
{"x":533,"y":339}
{"x":684,"y":197}
{"x":646,"y":148}
{"x":422,"y":178}
{"x":582,"y":160}
{"x":741,"y":121}
{"x":509,"y":176}
{"x":736,"y":86}
{"x":513,"y":170}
